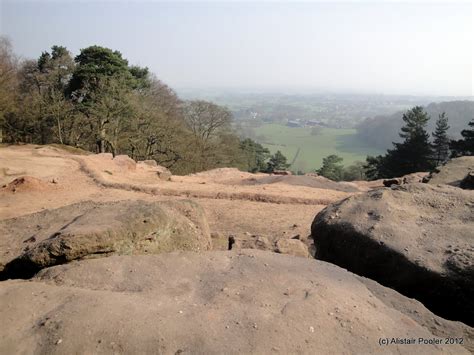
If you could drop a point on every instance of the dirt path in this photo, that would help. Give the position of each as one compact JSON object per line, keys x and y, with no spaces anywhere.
{"x":58,"y":178}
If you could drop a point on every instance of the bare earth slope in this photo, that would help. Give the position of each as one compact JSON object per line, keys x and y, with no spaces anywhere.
{"x":453,"y":172}
{"x":232,"y":208}
{"x":211,"y":303}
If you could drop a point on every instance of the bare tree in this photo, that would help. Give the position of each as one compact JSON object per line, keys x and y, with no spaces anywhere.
{"x":8,"y":80}
{"x":206,"y":119}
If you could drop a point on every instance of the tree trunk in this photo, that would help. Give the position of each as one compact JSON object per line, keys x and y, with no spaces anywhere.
{"x":102,"y":141}
{"x":60,"y":136}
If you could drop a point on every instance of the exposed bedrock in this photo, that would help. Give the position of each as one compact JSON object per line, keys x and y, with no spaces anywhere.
{"x":415,"y":238}
{"x":90,"y":229}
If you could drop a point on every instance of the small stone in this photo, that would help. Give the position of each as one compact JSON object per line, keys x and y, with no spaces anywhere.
{"x":59,"y":341}
{"x":311,"y":329}
{"x":180,"y":312}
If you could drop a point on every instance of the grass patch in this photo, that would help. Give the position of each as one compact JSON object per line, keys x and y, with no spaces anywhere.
{"x":313,"y":148}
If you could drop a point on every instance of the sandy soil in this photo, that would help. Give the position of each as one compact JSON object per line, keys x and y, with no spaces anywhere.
{"x":273,"y":210}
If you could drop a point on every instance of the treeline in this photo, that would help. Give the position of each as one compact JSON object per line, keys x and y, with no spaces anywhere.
{"x":381,"y":131}
{"x":417,"y":152}
{"x":97,"y":101}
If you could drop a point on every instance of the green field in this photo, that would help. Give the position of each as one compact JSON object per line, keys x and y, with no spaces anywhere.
{"x":311,"y":149}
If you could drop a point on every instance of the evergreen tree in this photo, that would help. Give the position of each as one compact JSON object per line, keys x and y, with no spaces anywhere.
{"x":277,"y":162}
{"x":332,"y":168}
{"x":441,"y":140}
{"x":464,"y":146}
{"x":414,"y":153}
{"x":374,"y":167}
{"x":255,"y":155}
{"x":355,"y":171}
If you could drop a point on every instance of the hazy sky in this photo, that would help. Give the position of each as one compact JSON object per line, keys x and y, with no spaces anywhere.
{"x":371,"y":47}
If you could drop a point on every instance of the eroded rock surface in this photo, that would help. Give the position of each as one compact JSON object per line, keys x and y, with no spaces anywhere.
{"x":417,"y":239}
{"x":251,"y":302}
{"x":292,"y":247}
{"x":453,"y":172}
{"x":89,"y":229}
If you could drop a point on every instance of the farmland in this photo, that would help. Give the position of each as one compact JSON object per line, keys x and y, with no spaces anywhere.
{"x":306,"y":150}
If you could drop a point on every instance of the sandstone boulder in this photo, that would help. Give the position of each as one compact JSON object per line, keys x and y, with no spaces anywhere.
{"x":292,"y":247}
{"x":453,"y":172}
{"x":100,"y":229}
{"x":250,"y":302}
{"x":406,"y":179}
{"x":249,"y":241}
{"x":468,"y":181}
{"x":124,"y":162}
{"x":394,"y":181}
{"x":417,"y":239}
{"x":151,"y":166}
{"x":26,"y":184}
{"x":163,"y":173}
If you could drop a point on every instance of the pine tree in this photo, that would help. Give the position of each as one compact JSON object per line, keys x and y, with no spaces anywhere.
{"x":441,"y":140}
{"x":464,"y":146}
{"x":332,"y":168}
{"x":277,"y":162}
{"x":414,"y":153}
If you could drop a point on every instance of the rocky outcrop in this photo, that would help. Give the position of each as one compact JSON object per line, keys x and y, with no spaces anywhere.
{"x":468,"y":181}
{"x":417,"y":239}
{"x":151,"y":165}
{"x":100,"y":229}
{"x":406,"y":179}
{"x":124,"y":162}
{"x":292,"y":247}
{"x":453,"y":172}
{"x":314,"y":181}
{"x":394,"y":181}
{"x":27,"y":184}
{"x":250,"y":302}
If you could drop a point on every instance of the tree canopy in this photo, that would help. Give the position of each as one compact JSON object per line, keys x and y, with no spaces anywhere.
{"x":277,"y":162}
{"x":464,"y":146}
{"x":414,"y":154}
{"x":98,"y":102}
{"x":332,"y":167}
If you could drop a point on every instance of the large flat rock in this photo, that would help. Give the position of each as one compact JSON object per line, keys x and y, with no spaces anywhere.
{"x":415,"y":238}
{"x":251,"y":302}
{"x":453,"y":172}
{"x":90,"y":229}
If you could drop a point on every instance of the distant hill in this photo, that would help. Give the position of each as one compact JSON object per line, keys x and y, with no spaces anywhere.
{"x":381,"y":131}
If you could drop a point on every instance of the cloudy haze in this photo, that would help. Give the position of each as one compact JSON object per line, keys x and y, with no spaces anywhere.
{"x":391,"y":48}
